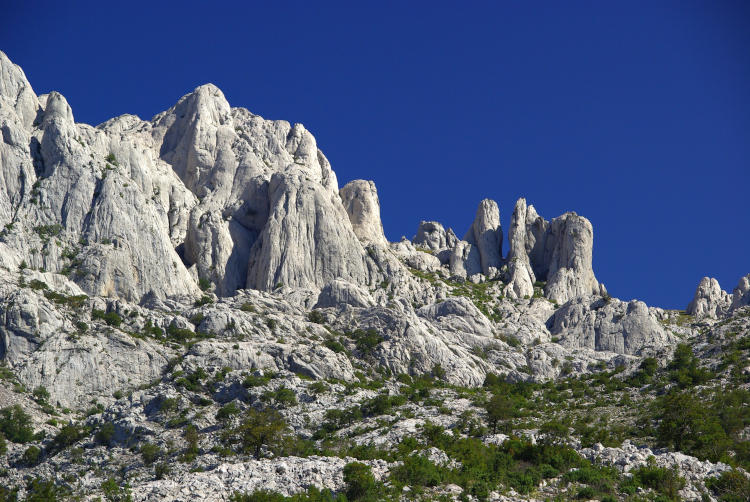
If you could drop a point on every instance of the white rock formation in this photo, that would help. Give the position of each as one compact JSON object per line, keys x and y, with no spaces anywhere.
{"x":151,"y":207}
{"x":418,"y":258}
{"x":486,"y":234}
{"x":521,"y":276}
{"x":307,"y":240}
{"x":610,"y":325}
{"x":340,"y":292}
{"x":432,"y":235}
{"x":741,"y":294}
{"x":465,"y":260}
{"x":360,"y":199}
{"x":709,"y":300}
{"x":559,"y":252}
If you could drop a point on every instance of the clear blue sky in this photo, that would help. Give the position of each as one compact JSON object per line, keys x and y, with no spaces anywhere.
{"x":633,"y":114}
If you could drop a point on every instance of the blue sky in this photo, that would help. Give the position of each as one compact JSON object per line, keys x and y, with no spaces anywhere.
{"x":633,"y":114}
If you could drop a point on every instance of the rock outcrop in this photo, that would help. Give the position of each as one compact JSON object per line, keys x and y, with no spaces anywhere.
{"x":155,"y":206}
{"x":521,"y":276}
{"x":465,"y":260}
{"x":741,"y":294}
{"x":559,"y":253}
{"x":709,"y":300}
{"x":360,"y":199}
{"x":486,"y":234}
{"x":307,"y":240}
{"x":166,"y":283}
{"x":610,"y":325}
{"x":431,"y":235}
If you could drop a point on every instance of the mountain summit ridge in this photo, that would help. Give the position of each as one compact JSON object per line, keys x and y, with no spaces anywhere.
{"x":189,"y":279}
{"x":243,"y":202}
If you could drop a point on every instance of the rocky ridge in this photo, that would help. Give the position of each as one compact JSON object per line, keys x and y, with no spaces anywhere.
{"x":208,"y":257}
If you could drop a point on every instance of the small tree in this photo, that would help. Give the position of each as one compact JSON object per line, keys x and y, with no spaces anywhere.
{"x":360,"y":483}
{"x":191,"y":437}
{"x":499,"y":408}
{"x":15,"y":424}
{"x":31,"y":455}
{"x":149,"y":453}
{"x":258,"y":429}
{"x":105,"y":433}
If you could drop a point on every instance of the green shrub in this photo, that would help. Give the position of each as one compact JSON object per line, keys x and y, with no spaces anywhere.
{"x":662,"y":480}
{"x":366,"y":341}
{"x":150,"y":453}
{"x":113,"y":492}
{"x":203,"y":300}
{"x":67,"y":436}
{"x":111,"y":318}
{"x":41,"y":395}
{"x":499,"y":408}
{"x":41,"y":490}
{"x":197,"y":318}
{"x":687,"y":424}
{"x":360,"y":483}
{"x":227,"y":411}
{"x":204,"y":284}
{"x":417,"y":470}
{"x":257,"y":380}
{"x":192,"y":381}
{"x":37,"y":284}
{"x":105,"y":433}
{"x":8,"y":494}
{"x":15,"y":424}
{"x":316,"y":316}
{"x":283,"y":396}
{"x":731,"y":486}
{"x":162,"y":469}
{"x":318,"y":387}
{"x":179,"y":334}
{"x":191,"y":437}
{"x":312,"y":494}
{"x":684,"y":368}
{"x":334,"y":345}
{"x":649,"y":366}
{"x":258,"y":428}
{"x":47,"y":231}
{"x":31,"y":455}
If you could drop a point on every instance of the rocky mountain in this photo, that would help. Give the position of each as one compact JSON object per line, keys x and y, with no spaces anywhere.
{"x":190,"y":306}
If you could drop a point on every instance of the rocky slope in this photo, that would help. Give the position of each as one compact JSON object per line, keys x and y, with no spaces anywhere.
{"x":164,"y":283}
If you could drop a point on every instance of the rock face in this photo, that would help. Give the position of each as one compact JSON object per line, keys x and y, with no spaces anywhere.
{"x":203,"y":265}
{"x":360,"y":199}
{"x":709,"y":300}
{"x":486,"y":235}
{"x":741,"y":294}
{"x":559,"y":252}
{"x":150,"y":207}
{"x":521,"y":276}
{"x":340,"y":292}
{"x":431,"y":235}
{"x":465,"y":260}
{"x":304,"y":241}
{"x":610,"y":325}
